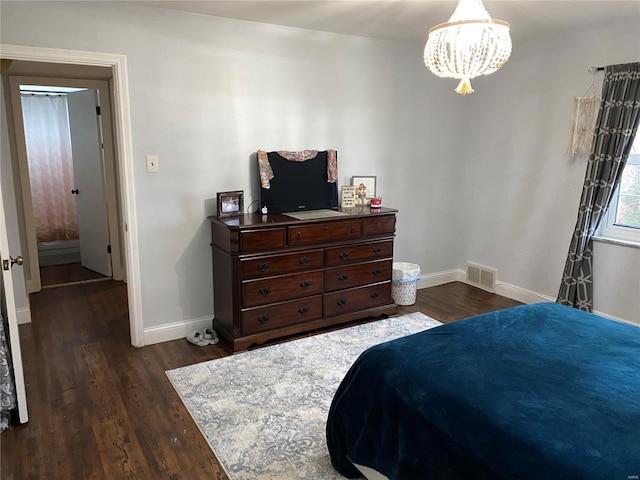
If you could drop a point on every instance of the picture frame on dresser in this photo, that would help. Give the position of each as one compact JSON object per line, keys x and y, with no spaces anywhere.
{"x":365,"y":188}
{"x":230,"y":204}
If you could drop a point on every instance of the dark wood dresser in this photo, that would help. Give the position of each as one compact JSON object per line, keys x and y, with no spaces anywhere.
{"x":274,"y":275}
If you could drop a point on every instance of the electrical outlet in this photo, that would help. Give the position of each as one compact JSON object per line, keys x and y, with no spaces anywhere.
{"x":152,"y":164}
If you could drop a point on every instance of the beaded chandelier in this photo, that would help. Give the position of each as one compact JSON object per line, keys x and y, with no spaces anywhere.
{"x":470,"y":44}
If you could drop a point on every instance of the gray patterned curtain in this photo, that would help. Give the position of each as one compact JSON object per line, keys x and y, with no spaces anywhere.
{"x":7,"y":386}
{"x":614,"y":133}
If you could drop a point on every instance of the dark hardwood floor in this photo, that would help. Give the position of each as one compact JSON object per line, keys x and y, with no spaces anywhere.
{"x":102,"y":409}
{"x":55,"y":275}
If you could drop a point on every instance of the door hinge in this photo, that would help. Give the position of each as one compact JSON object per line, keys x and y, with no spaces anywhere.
{"x":108,"y":248}
{"x":98,"y":110}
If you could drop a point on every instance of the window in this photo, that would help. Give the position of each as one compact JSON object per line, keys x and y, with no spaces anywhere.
{"x":622,"y":221}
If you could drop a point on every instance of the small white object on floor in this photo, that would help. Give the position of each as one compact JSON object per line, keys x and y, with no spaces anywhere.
{"x":197,"y":338}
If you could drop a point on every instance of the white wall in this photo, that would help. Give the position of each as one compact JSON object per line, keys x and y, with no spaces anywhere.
{"x":616,"y":280}
{"x":208,"y":92}
{"x":480,"y":178}
{"x":522,"y":191}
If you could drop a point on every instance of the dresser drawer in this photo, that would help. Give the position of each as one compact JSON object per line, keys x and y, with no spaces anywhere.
{"x":378,"y":224}
{"x":354,"y":299}
{"x":337,"y":278}
{"x":269,"y":265}
{"x":262,"y":239}
{"x":262,"y":319}
{"x":357,"y":253}
{"x":324,"y":232}
{"x":285,"y":287}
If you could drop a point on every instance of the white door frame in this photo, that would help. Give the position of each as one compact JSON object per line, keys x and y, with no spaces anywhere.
{"x":33,"y":282}
{"x":124,"y":158}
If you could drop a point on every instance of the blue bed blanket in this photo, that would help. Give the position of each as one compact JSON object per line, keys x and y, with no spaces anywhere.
{"x":536,"y":392}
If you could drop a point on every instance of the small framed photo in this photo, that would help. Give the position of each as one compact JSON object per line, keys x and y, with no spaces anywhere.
{"x":365,"y":188}
{"x":348,"y":196}
{"x":230,"y":204}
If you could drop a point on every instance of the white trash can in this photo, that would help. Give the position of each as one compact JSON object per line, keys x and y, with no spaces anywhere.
{"x":404,"y":282}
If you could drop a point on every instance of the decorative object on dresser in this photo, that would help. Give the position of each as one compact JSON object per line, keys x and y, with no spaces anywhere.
{"x":348,"y":196}
{"x":300,"y":180}
{"x":280,"y":274}
{"x":365,"y":188}
{"x":230,"y":203}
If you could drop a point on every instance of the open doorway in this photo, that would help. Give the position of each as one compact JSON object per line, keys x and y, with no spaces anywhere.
{"x":63,"y":129}
{"x":74,"y":64}
{"x":65,"y":150}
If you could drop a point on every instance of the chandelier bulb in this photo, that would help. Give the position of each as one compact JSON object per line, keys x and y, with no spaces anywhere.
{"x":464,"y":87}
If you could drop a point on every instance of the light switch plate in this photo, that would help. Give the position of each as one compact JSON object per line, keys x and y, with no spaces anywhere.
{"x":152,"y":164}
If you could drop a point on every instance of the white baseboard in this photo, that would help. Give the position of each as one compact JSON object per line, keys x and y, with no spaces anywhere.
{"x":178,"y":330}
{"x":528,"y":297}
{"x":175,"y":331}
{"x":520,"y":294}
{"x":503,"y":289}
{"x":24,"y":315}
{"x":617,"y":319}
{"x":440,"y":278}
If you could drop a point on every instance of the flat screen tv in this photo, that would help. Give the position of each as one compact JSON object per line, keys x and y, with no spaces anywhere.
{"x":297,"y":181}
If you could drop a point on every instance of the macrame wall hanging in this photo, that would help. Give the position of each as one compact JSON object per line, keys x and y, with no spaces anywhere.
{"x":583,"y":122}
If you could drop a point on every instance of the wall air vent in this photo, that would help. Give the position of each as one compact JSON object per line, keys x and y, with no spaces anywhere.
{"x":481,"y":277}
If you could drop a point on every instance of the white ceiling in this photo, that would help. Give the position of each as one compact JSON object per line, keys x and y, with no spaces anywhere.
{"x":410,"y":20}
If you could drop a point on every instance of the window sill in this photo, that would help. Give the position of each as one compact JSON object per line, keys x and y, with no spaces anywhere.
{"x":617,"y":241}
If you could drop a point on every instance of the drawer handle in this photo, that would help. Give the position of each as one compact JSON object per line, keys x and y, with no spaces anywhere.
{"x":305,"y":283}
{"x":374,"y":295}
{"x":377,"y":271}
{"x":264,"y":291}
{"x":326,"y":229}
{"x":343,"y":277}
{"x":343,"y":255}
{"x":298,"y":235}
{"x":303,"y":310}
{"x":263,"y":319}
{"x":263,"y":266}
{"x":304,"y":260}
{"x":353,"y":229}
{"x":341,"y":303}
{"x":377,"y":250}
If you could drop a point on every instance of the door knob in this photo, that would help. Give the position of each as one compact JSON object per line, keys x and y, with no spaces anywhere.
{"x":75,"y":191}
{"x":18,"y":260}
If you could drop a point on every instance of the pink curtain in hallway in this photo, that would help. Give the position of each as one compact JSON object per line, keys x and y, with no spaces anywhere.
{"x":46,"y":125}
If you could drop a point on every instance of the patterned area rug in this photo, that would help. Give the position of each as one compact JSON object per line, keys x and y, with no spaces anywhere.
{"x":264,"y":412}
